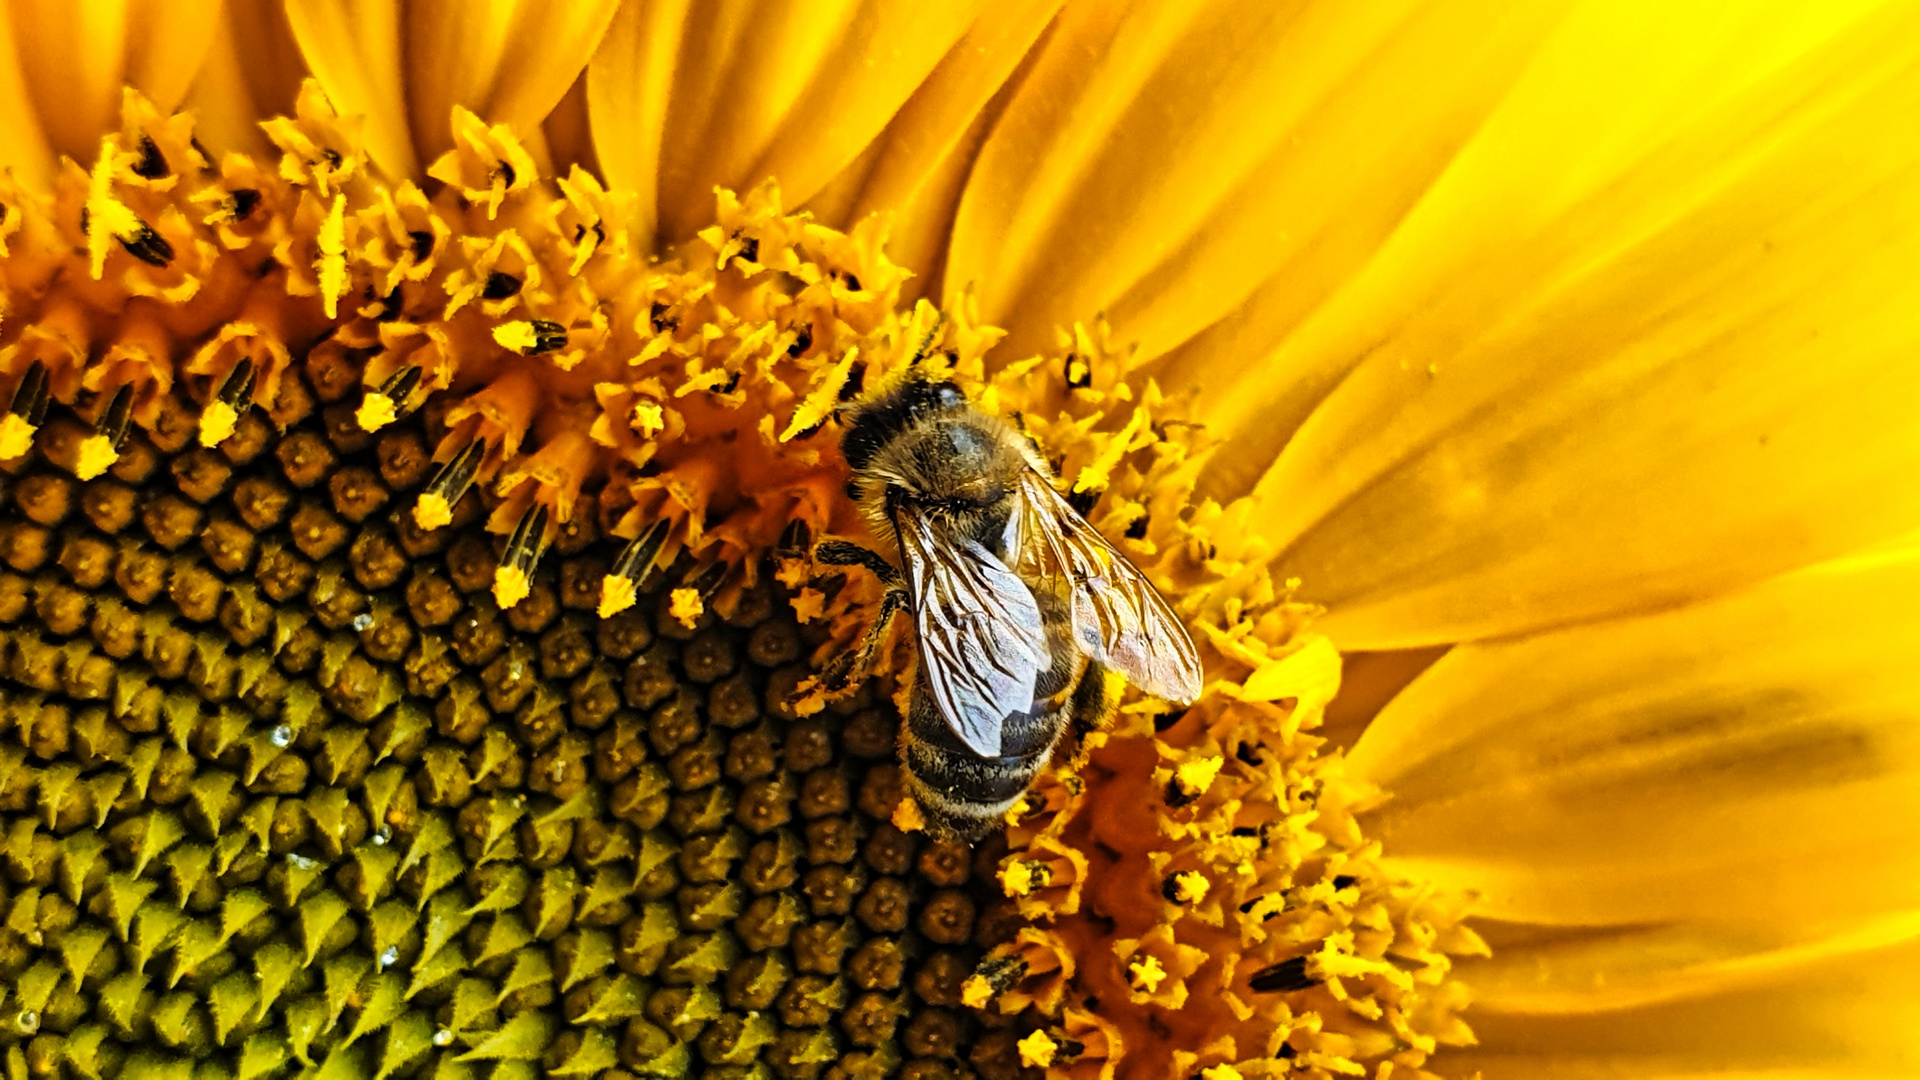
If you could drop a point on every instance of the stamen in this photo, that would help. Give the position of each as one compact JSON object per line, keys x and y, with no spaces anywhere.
{"x":622,"y":585}
{"x":513,"y":579}
{"x":531,"y":337}
{"x":436,"y":504}
{"x":101,"y":449}
{"x":223,"y":412}
{"x":25,"y":414}
{"x":385,"y":405}
{"x":1284,"y":977}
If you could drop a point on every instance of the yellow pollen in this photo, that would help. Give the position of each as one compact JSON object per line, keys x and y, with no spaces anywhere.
{"x":376,"y":412}
{"x":809,"y":605}
{"x":1147,"y":973}
{"x":976,"y":992}
{"x":1016,"y":878}
{"x":1096,"y":474}
{"x":617,"y":594}
{"x":648,"y":418}
{"x":1195,"y":776}
{"x":510,"y":586}
{"x":1220,"y":1072}
{"x":108,"y":219}
{"x":432,"y":511}
{"x":217,"y":423}
{"x":518,"y":335}
{"x":96,"y":456}
{"x":1036,"y":1050}
{"x":686,"y":606}
{"x":1190,"y":887}
{"x":907,"y":816}
{"x":824,"y":398}
{"x":16,"y":437}
{"x":332,"y":242}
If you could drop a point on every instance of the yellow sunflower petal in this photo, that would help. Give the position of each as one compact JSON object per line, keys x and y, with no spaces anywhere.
{"x":930,"y":127}
{"x":23,"y":145}
{"x":629,"y":81}
{"x":769,"y":89}
{"x":849,"y":104}
{"x":510,"y":63}
{"x":1611,"y":364}
{"x":73,"y":58}
{"x":168,"y":42}
{"x":1848,"y":1018}
{"x":252,"y":69}
{"x":1212,"y":147}
{"x":1750,"y":760}
{"x":355,"y":50}
{"x":1555,"y":970}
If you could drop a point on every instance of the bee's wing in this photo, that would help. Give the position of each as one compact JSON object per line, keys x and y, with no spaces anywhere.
{"x":982,"y":645}
{"x":1118,"y":616}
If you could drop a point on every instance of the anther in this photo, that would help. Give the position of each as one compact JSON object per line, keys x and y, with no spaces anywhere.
{"x":387,"y":404}
{"x":100,"y":450}
{"x":621,"y":587}
{"x":499,"y":286}
{"x":148,"y":246}
{"x":25,"y":413}
{"x":796,"y":540}
{"x":706,"y":581}
{"x":531,"y":337}
{"x":223,"y":412}
{"x":241,"y":201}
{"x":152,"y":164}
{"x":512,"y":579}
{"x":436,"y":504}
{"x":1284,"y":977}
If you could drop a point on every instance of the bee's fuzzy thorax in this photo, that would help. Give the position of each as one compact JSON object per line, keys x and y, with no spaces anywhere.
{"x":915,"y":434}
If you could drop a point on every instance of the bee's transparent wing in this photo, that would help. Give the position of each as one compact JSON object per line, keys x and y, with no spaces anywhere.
{"x":1119,"y":618}
{"x":982,"y":645}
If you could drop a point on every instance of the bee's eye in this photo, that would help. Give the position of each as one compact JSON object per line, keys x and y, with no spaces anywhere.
{"x":949,"y":396}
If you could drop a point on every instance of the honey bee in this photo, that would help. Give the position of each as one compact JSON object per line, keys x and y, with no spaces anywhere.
{"x":1020,"y":608}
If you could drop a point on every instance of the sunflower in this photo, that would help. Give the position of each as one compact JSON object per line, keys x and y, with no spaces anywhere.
{"x":417,"y":418}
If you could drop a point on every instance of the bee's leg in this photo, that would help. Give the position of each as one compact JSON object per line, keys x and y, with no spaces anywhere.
{"x":850,"y":668}
{"x":842,"y":553}
{"x":1093,"y":705}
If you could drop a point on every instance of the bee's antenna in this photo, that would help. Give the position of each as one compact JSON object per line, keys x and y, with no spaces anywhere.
{"x":926,"y":343}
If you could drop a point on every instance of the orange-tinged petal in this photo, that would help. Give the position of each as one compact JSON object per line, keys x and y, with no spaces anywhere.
{"x":167,"y":44}
{"x":628,"y":84}
{"x":740,"y":66}
{"x":921,"y":162}
{"x":252,"y":70}
{"x":1754,"y":759}
{"x":1209,"y":148}
{"x":1704,"y":322}
{"x":77,"y":57}
{"x":354,"y":48}
{"x":794,"y":91}
{"x":23,"y":145}
{"x":888,"y":53}
{"x":508,"y":62}
{"x":73,"y":60}
{"x":934,"y":121}
{"x":1851,"y":1017}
